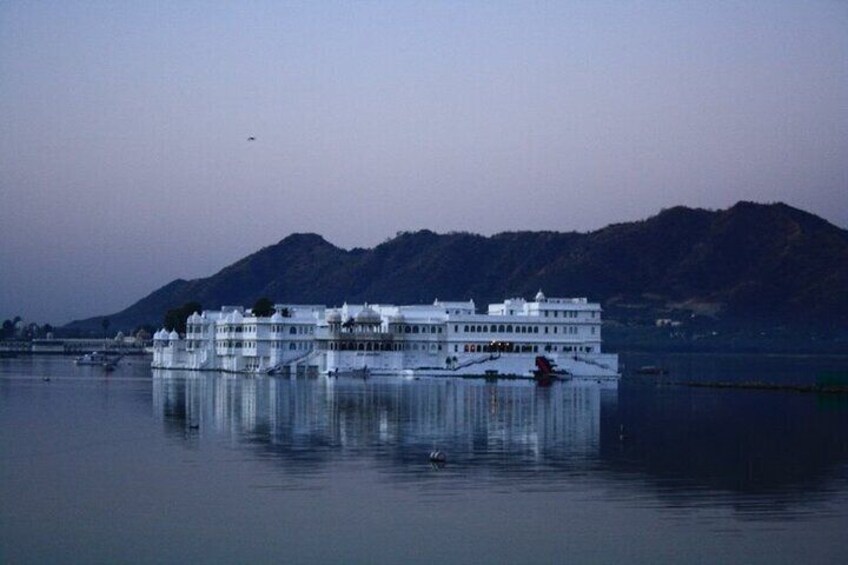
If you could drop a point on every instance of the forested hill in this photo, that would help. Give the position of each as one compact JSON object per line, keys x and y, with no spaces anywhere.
{"x":751,"y":262}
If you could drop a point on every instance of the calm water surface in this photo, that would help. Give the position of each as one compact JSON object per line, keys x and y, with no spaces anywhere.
{"x":174,"y":466}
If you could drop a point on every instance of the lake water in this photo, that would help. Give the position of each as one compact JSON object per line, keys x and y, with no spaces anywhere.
{"x":172,"y":467}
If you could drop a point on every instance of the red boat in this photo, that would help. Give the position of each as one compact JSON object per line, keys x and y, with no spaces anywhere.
{"x":546,"y":372}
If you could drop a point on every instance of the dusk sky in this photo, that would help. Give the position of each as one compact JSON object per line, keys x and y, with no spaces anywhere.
{"x":125,"y":163}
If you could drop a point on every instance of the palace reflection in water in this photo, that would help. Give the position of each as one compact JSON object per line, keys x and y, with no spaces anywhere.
{"x":754,"y":452}
{"x":190,"y":467}
{"x":398,"y":418}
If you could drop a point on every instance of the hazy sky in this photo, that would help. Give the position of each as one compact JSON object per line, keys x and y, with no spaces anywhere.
{"x":124,"y":160}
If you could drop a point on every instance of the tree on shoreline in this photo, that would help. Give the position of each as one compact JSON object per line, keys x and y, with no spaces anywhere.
{"x":175,"y":318}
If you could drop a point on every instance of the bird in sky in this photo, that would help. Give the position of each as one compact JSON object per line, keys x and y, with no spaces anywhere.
{"x":251,"y":138}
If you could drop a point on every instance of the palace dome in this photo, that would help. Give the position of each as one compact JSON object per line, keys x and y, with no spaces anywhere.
{"x":367,"y":316}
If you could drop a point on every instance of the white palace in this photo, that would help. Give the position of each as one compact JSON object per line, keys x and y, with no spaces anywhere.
{"x":443,"y":338}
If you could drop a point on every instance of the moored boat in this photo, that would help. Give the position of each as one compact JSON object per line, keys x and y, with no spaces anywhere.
{"x":99,"y":359}
{"x":651,"y":370}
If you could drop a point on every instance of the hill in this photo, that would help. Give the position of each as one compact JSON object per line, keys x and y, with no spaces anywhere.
{"x":751,"y":263}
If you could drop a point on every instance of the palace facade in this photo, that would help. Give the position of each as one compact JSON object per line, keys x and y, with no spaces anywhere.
{"x":442,"y":338}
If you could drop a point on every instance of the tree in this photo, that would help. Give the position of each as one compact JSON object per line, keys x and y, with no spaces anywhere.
{"x":175,"y":318}
{"x":263,"y":307}
{"x":8,"y":329}
{"x":104,"y":323}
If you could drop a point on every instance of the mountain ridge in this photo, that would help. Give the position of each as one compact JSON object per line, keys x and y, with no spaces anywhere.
{"x":752,"y":261}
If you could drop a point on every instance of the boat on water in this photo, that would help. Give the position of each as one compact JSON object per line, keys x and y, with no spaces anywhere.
{"x":98,"y":359}
{"x":546,"y":372}
{"x":651,"y":370}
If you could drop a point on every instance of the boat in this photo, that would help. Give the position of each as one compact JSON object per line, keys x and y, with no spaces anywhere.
{"x":651,"y":370}
{"x":546,"y":372}
{"x":438,"y":456}
{"x":99,"y":359}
